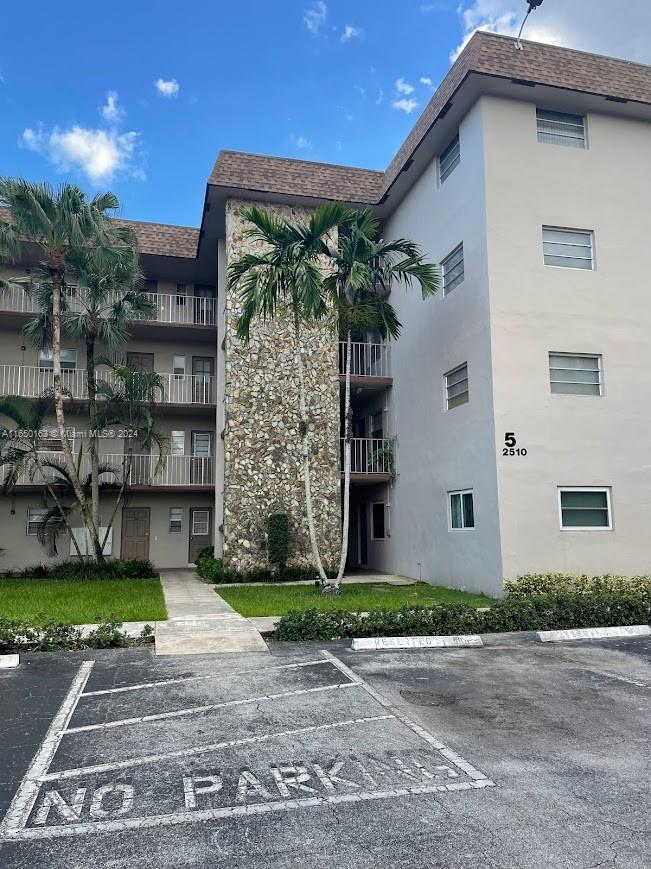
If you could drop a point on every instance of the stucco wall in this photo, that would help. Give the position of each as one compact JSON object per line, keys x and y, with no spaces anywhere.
{"x":262,"y":462}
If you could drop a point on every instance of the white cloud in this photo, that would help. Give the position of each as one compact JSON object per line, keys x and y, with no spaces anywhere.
{"x":426,"y":80}
{"x":99,"y":154}
{"x":403,"y":87}
{"x":380,"y":98}
{"x":315,"y":16}
{"x":111,"y":111}
{"x":350,"y":32}
{"x":617,"y":29}
{"x":301,"y":142}
{"x":167,"y":88}
{"x":405,"y":105}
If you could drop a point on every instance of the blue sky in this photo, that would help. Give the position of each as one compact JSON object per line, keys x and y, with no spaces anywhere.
{"x":142,"y":96}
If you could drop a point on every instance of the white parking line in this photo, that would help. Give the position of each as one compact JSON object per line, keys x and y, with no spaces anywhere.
{"x":215,"y":746}
{"x":26,"y":795}
{"x":196,"y":710}
{"x":163,"y":683}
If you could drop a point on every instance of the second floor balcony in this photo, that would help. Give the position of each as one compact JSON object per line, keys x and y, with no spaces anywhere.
{"x":372,"y":460}
{"x":32,"y":382}
{"x":370,"y":364}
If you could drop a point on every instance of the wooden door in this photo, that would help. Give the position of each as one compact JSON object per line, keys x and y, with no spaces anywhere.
{"x":200,"y":531}
{"x":202,"y":370}
{"x":135,"y":533}
{"x":201,"y":461}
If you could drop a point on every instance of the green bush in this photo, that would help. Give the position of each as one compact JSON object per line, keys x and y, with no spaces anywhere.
{"x":278,"y":541}
{"x":74,"y":569}
{"x":52,"y":636}
{"x":531,"y":584}
{"x":539,"y":613}
{"x":212,"y":569}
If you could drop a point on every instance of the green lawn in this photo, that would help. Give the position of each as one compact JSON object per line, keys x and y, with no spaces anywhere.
{"x":278,"y":600}
{"x":82,"y":601}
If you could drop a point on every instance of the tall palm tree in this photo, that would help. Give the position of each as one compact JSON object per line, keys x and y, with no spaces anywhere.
{"x":283,"y":277}
{"x":106,"y":306}
{"x":365,"y":268}
{"x":60,"y":222}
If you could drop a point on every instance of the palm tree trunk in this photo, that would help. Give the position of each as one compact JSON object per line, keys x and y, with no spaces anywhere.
{"x":56,"y":272}
{"x":92,"y":445}
{"x":126,"y":473}
{"x":305,"y":448}
{"x":56,"y":500}
{"x":348,"y":433}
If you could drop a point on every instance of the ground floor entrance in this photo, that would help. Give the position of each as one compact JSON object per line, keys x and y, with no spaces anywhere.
{"x":135,"y":533}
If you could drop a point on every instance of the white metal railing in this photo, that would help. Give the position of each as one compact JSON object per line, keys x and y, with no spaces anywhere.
{"x":168,"y":307}
{"x":31,"y":382}
{"x":146,"y":470}
{"x":370,"y":455}
{"x":366,"y":360}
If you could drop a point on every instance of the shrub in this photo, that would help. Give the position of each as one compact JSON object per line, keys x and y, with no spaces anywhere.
{"x":212,"y":569}
{"x":278,"y":541}
{"x":52,"y":636}
{"x":531,"y":584}
{"x":74,"y":569}
{"x":538,"y":613}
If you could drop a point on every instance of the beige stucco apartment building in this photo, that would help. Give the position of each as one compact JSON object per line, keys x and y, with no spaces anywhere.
{"x":506,"y":432}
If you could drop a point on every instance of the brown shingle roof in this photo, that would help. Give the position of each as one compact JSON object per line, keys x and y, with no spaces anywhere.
{"x":158,"y":239}
{"x":295,"y":177}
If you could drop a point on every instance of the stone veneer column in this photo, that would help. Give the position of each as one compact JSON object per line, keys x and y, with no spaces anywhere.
{"x":262,"y":460}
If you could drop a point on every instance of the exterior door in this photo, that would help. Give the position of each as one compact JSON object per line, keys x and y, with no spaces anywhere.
{"x":135,"y":533}
{"x":202,"y":370}
{"x":141,"y":463}
{"x":363,"y":534}
{"x":200,"y":531}
{"x":204,"y":305}
{"x":201,"y":461}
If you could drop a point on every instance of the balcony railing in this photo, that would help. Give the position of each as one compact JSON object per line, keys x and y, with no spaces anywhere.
{"x":145,"y":470}
{"x":32,"y":382}
{"x":370,"y":456}
{"x":366,"y":360}
{"x":168,"y":308}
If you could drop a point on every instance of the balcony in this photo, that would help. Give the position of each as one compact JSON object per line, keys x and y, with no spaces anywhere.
{"x":372,"y":460}
{"x":370,"y":365}
{"x":170,"y":472}
{"x":32,"y":382}
{"x":180,"y":310}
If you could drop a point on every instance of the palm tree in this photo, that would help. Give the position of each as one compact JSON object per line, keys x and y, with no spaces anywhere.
{"x":60,"y":223}
{"x":105,"y":308}
{"x":128,"y":400}
{"x":365,"y":268}
{"x":283,"y":277}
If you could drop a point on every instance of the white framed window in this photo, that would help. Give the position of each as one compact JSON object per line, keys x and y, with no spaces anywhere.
{"x":568,"y":248}
{"x":461,"y":510}
{"x":68,"y":360}
{"x":560,"y":128}
{"x":176,"y":520}
{"x":456,"y":386}
{"x":35,"y":515}
{"x":452,"y":270}
{"x":575,"y":374}
{"x":449,"y":159}
{"x":177,"y":443}
{"x":378,"y":520}
{"x":584,"y":508}
{"x":200,"y":522}
{"x":178,"y":366}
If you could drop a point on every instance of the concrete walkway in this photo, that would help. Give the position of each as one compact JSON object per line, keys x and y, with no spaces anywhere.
{"x":200,"y":621}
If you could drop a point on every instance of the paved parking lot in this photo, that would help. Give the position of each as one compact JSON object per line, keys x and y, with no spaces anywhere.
{"x":511,"y":755}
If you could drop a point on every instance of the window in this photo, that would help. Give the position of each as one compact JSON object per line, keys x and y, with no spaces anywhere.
{"x":181,"y":293}
{"x":568,"y":248}
{"x":176,"y":519}
{"x":34,"y":516}
{"x":377,"y":523}
{"x":178,"y":366}
{"x":200,"y":522}
{"x":177,"y":443}
{"x":452,"y":270}
{"x":456,"y":386}
{"x":68,"y":360}
{"x":150,"y":286}
{"x":558,"y":128}
{"x":450,"y":159}
{"x":575,"y":374}
{"x":462,"y":511}
{"x":585,"y":509}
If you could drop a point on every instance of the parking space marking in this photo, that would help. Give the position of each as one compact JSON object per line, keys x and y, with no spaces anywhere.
{"x":163,"y":683}
{"x":197,"y":710}
{"x":23,"y":802}
{"x":192,"y":752}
